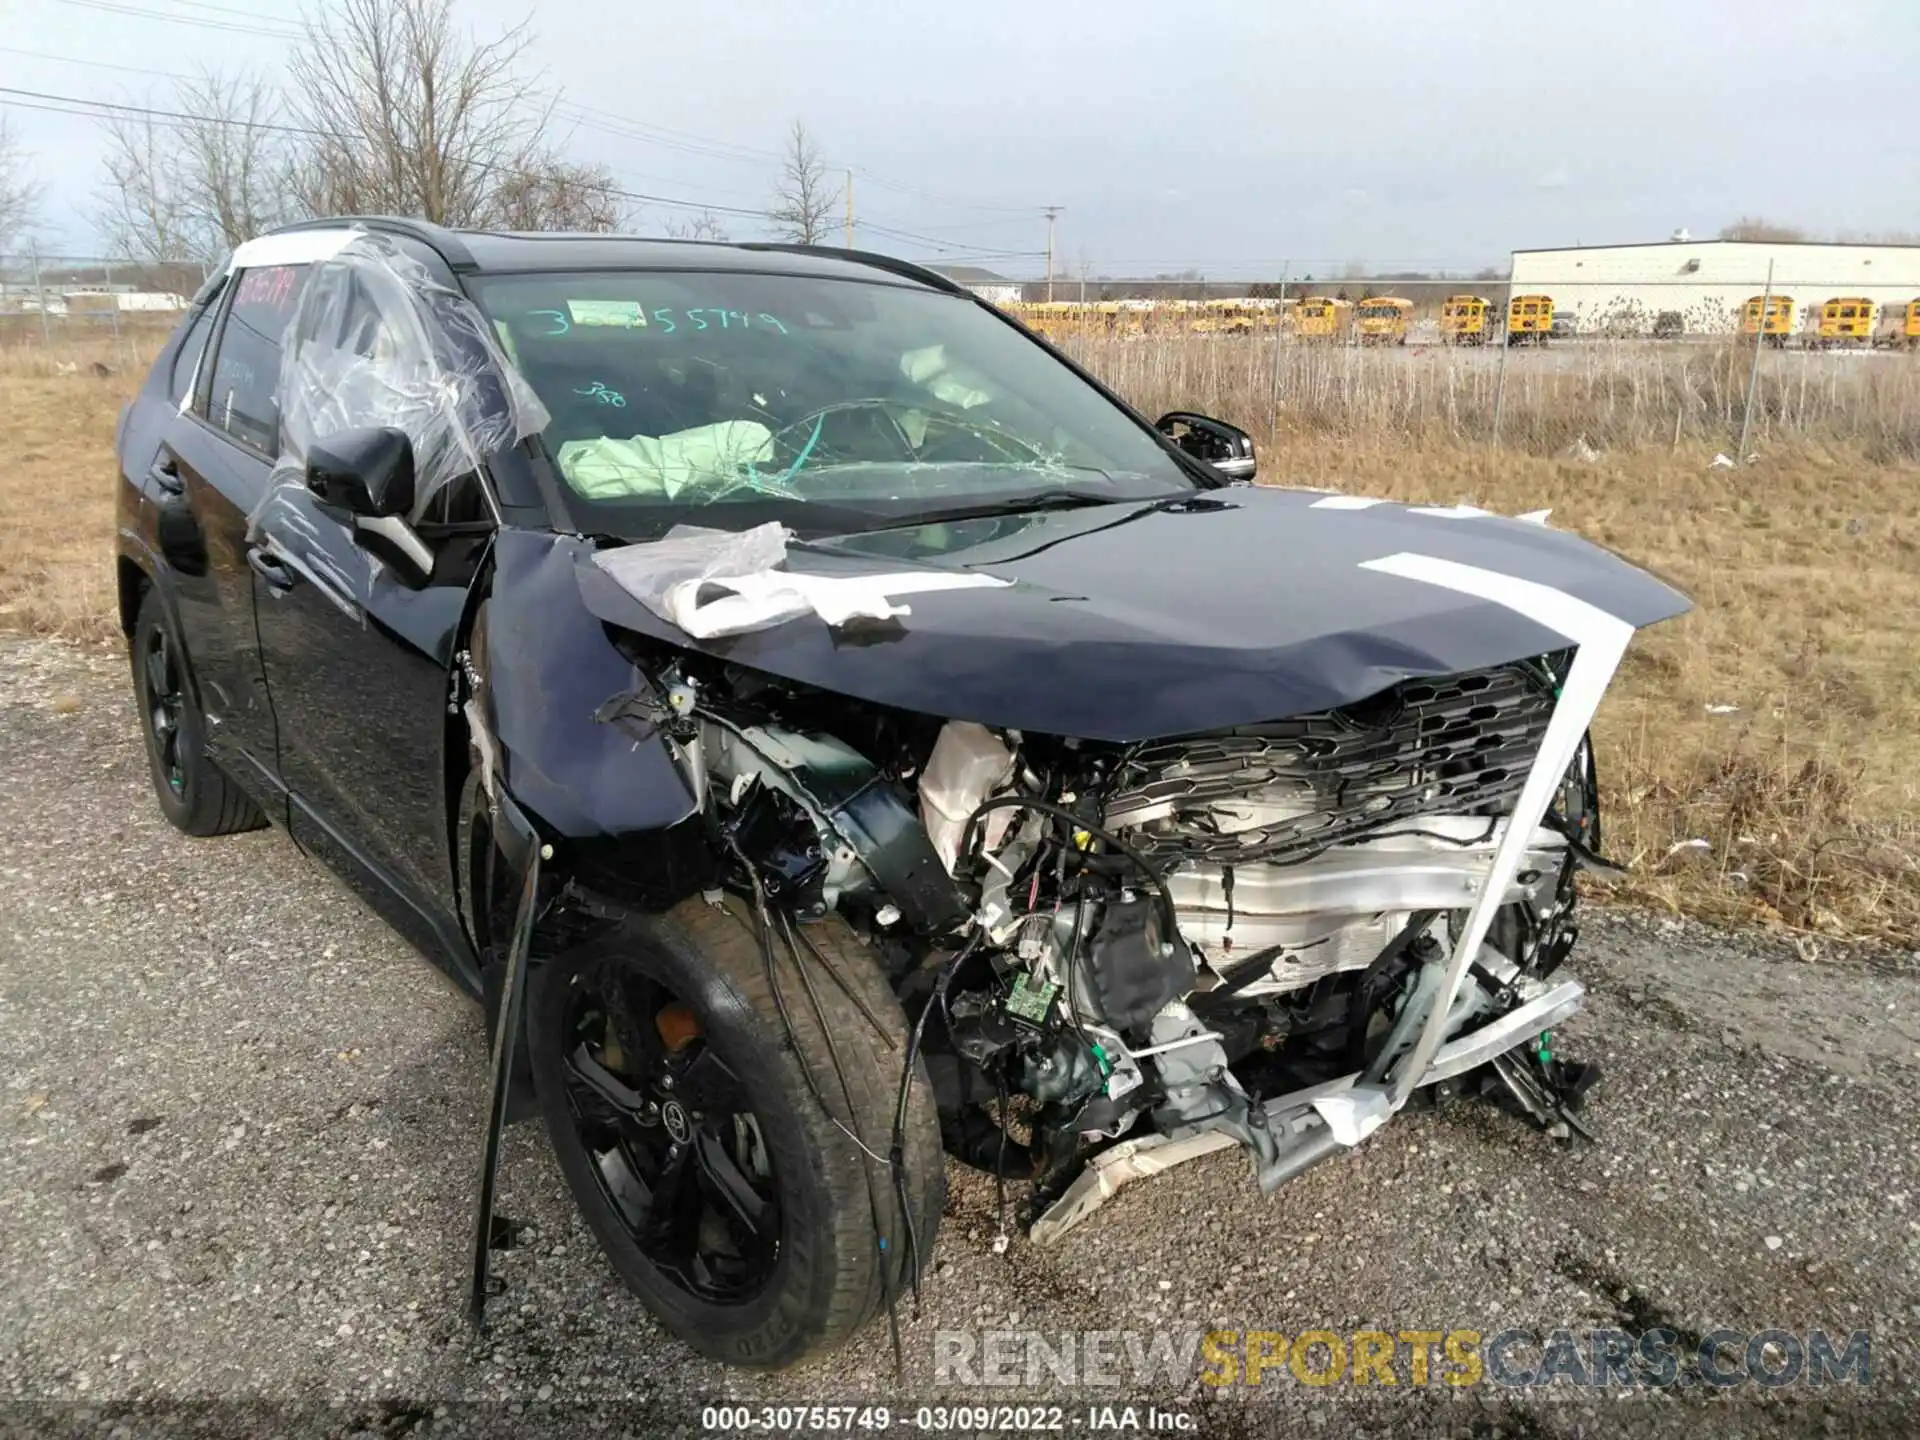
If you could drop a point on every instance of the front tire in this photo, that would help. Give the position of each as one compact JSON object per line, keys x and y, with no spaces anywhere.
{"x":729,"y":1201}
{"x":194,"y":794}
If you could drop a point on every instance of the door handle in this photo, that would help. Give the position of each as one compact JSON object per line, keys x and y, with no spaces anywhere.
{"x":277,"y":575}
{"x":165,"y":474}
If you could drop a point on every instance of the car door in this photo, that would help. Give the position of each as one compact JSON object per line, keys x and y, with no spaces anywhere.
{"x":357,"y":662}
{"x":208,"y":475}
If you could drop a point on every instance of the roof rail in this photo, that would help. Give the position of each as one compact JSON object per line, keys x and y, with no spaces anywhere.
{"x":888,"y":263}
{"x":444,"y":242}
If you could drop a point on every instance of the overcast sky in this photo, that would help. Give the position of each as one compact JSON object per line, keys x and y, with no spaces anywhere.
{"x":1224,"y":137}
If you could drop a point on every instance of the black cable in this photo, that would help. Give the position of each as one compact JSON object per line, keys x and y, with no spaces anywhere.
{"x":1073,"y":960}
{"x":897,"y":1152}
{"x":846,"y":989}
{"x":873,"y":1201}
{"x":1000,"y":1156}
{"x":1060,"y":812}
{"x":765,"y":918}
{"x":786,"y":1020}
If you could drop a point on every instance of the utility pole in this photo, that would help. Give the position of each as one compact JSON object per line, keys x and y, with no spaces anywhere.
{"x":40,"y":292}
{"x":1753,"y":375}
{"x":1506,"y":344}
{"x":114,"y":299}
{"x":849,"y":209}
{"x":1052,"y":212}
{"x":1279,"y":328}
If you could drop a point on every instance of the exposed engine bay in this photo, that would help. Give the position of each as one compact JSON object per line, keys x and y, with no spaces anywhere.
{"x":1150,"y":950}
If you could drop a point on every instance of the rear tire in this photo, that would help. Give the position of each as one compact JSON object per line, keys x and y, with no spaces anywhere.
{"x":812,"y":1274}
{"x":194,"y":794}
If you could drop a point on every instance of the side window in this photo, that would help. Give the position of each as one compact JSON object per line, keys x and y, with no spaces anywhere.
{"x":246,"y":367}
{"x":360,"y":366}
{"x":186,"y":360}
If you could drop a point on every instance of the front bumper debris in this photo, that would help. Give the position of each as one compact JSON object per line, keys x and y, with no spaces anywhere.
{"x":1299,"y":1119}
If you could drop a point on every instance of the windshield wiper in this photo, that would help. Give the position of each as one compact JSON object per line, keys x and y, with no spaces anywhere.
{"x":1013,"y":505}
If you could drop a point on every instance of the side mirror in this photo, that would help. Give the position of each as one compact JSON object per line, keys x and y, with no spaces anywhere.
{"x":1227,"y":448}
{"x":363,"y":472}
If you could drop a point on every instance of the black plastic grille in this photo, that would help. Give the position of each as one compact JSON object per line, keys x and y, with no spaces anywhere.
{"x":1456,"y":745}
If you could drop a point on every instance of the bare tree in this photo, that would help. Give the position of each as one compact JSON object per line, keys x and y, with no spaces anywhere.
{"x":704,"y":226}
{"x":412,"y":117}
{"x":237,"y":177}
{"x":1753,"y":227}
{"x":803,"y":202}
{"x":391,"y":110}
{"x":196,"y":186}
{"x":143,"y":207}
{"x":1879,"y":237}
{"x":559,"y":195}
{"x":19,"y":191}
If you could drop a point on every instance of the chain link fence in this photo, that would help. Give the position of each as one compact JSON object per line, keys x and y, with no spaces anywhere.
{"x":59,"y":300}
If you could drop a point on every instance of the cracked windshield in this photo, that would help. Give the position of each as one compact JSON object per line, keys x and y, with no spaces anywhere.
{"x":732,"y":399}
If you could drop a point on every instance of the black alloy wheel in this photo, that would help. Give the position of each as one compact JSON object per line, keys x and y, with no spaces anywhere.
{"x":676,"y":1149}
{"x":194,"y":793}
{"x":732,"y":1159}
{"x":164,"y":696}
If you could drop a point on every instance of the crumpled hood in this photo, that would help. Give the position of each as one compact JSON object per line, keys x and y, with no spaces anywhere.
{"x":1131,"y":622}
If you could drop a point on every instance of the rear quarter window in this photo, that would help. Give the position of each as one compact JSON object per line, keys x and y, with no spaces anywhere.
{"x":243,"y":398}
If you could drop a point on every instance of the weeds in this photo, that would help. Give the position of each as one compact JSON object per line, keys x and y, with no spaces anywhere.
{"x":1611,"y":394}
{"x":1779,"y":722}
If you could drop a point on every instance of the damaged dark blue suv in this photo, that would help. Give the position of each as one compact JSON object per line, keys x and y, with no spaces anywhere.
{"x":826,"y":727}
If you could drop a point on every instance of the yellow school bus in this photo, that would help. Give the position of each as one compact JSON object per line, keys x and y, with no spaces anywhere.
{"x":1846,"y":320}
{"x":1463,"y":320}
{"x":1055,"y":319}
{"x":1529,"y":319}
{"x":1320,"y":317}
{"x":1899,"y":327}
{"x":1225,"y":317}
{"x":1779,"y":324}
{"x":1383,"y":320}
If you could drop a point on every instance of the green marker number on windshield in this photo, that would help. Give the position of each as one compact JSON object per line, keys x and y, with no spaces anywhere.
{"x":598,"y":390}
{"x":609,"y":314}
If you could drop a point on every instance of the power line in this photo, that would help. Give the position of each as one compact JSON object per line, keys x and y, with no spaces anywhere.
{"x":118,"y":7}
{"x":970,"y":226}
{"x":84,"y":107}
{"x":587,"y":116}
{"x":882,"y":229}
{"x":181,"y":124}
{"x":954,"y":203}
{"x":661,"y":135}
{"x":180,"y":119}
{"x":230,"y":10}
{"x":94,"y":64}
{"x":158,"y":113}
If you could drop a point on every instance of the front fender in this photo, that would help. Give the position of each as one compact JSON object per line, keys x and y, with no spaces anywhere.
{"x":550,"y":667}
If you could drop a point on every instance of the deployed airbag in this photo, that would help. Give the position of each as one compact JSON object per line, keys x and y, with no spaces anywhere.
{"x":607,"y":468}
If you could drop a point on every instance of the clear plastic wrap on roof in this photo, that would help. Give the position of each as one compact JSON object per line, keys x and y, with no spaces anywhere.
{"x":378,"y":341}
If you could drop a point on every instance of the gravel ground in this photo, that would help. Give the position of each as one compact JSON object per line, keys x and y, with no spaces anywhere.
{"x":240,"y":1131}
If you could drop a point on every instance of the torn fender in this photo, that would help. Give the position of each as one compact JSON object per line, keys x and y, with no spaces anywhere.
{"x":550,"y":667}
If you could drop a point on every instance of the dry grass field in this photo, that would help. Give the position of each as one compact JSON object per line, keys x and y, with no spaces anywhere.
{"x":1779,"y":722}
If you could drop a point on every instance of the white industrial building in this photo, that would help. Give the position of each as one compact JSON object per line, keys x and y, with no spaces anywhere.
{"x":1625,"y":289}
